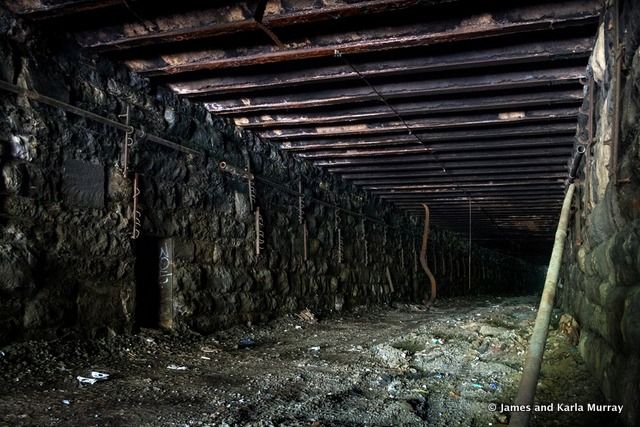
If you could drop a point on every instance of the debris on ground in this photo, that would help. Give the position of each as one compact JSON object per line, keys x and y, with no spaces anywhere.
{"x":246,"y":343}
{"x":307,"y":316}
{"x":175,"y":367}
{"x":377,"y":367}
{"x":93,"y":378}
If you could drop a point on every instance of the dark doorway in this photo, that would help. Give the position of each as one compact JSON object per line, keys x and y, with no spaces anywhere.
{"x":147,"y":290}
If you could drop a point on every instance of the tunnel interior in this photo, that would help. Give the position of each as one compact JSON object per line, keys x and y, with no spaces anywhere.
{"x":319,"y":213}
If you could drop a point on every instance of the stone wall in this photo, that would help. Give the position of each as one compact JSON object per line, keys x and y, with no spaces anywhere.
{"x":66,"y":254}
{"x":601,"y":274}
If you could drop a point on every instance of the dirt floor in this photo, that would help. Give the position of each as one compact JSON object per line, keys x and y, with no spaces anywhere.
{"x":400,"y":366}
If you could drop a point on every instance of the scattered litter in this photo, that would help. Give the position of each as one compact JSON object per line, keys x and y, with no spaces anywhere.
{"x":210,"y":350}
{"x":94,"y":377}
{"x":205,"y":358}
{"x":246,"y":343}
{"x":307,"y":316}
{"x":176,"y":367}
{"x":476,"y":385}
{"x":99,"y":375}
{"x":66,"y":402}
{"x":2,"y":354}
{"x":439,"y":341}
{"x":494,"y":385}
{"x":314,"y":348}
{"x":298,"y":327}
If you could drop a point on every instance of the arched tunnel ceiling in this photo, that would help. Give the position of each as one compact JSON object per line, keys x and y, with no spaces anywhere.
{"x":468,"y":106}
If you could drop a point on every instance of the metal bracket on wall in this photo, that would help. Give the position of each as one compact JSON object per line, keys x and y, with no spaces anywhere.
{"x":301,"y":220}
{"x":250,"y":184}
{"x":339,"y":242}
{"x":135,"y":212}
{"x":243,"y":174}
{"x":259,"y":232}
{"x":232,"y":170}
{"x":365,"y":245}
{"x":127,"y":143}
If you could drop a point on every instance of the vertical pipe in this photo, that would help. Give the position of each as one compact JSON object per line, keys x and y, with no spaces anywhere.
{"x":533,"y":361}
{"x":613,"y":171}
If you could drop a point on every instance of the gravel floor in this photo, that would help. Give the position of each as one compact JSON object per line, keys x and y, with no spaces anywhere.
{"x":400,"y":366}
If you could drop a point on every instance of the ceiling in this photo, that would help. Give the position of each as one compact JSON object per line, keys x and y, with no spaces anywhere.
{"x":468,"y":106}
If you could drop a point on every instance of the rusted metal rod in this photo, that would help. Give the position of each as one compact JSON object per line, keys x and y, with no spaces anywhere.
{"x":533,"y":361}
{"x":575,"y":161}
{"x":142,"y":135}
{"x":423,"y":257}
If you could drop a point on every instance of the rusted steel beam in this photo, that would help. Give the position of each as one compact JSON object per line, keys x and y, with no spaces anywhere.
{"x":550,"y":212}
{"x":531,"y":153}
{"x":402,"y":64}
{"x":540,"y":78}
{"x":537,"y":220}
{"x":553,"y":129}
{"x":540,"y":190}
{"x":559,"y":174}
{"x":382,"y":127}
{"x":560,"y":159}
{"x":439,"y":187}
{"x":459,"y":173}
{"x":449,"y":147}
{"x":472,"y":193}
{"x":370,"y":37}
{"x":463,"y":200}
{"x":542,"y":211}
{"x":515,"y":199}
{"x":43,"y":9}
{"x":511,"y":102}
{"x":206,"y":20}
{"x":478,"y":207}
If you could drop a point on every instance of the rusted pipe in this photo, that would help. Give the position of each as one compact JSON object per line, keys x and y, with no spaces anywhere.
{"x":617,"y":84}
{"x":533,"y":361}
{"x":575,"y":161}
{"x":10,"y":87}
{"x":423,"y":257}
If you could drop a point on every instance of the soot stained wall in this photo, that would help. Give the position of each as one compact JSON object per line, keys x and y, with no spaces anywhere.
{"x":66,"y":256}
{"x":601,"y":274}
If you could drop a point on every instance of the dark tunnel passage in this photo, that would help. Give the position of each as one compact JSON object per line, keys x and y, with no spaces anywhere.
{"x":320,"y":213}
